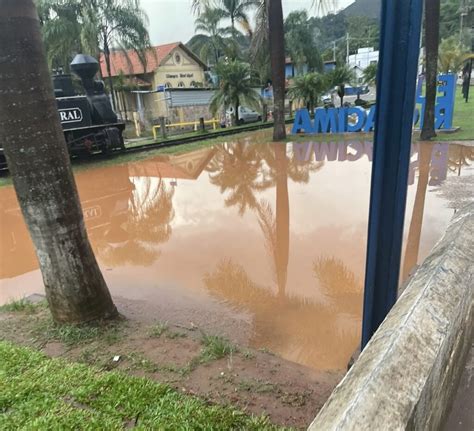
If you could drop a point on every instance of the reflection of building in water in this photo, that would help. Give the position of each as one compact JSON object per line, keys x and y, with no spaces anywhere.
{"x":104,"y":198}
{"x":127,"y":210}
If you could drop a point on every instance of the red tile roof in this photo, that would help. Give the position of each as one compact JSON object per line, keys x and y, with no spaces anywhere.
{"x":133,"y":66}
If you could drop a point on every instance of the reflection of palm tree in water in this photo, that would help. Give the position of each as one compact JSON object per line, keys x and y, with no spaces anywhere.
{"x":237,"y":168}
{"x":145,"y":225}
{"x":341,"y":288}
{"x":321,"y":335}
{"x":459,"y":156}
{"x":414,"y":232}
{"x":246,"y":169}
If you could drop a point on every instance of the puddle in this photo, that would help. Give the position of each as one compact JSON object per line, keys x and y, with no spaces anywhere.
{"x":270,"y":234}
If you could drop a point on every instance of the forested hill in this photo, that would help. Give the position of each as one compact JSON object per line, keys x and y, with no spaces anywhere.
{"x":367,"y":8}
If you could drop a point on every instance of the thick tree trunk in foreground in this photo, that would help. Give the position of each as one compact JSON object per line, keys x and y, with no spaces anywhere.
{"x":277,"y":57}
{"x":34,"y":145}
{"x":431,"y":55}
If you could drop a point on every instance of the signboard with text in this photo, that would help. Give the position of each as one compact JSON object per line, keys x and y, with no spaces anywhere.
{"x":357,"y":119}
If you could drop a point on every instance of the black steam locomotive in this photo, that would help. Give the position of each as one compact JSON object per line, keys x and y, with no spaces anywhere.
{"x":89,"y":122}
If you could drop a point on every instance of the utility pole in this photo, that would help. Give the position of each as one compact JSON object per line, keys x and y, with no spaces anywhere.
{"x":347,"y":48}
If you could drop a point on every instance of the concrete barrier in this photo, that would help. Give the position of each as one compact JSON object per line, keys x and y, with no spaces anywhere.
{"x":407,"y":375}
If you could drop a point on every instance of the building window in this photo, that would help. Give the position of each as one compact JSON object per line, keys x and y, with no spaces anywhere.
{"x":181,"y":84}
{"x":177,"y":58}
{"x":168,"y":85}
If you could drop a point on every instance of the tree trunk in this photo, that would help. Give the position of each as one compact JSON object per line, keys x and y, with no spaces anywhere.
{"x":124,"y":103}
{"x":277,"y":56}
{"x":109,"y":72}
{"x":236,"y":116}
{"x":431,"y":55}
{"x":37,"y":157}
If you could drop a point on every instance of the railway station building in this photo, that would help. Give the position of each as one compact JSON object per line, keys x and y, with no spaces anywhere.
{"x":145,"y":87}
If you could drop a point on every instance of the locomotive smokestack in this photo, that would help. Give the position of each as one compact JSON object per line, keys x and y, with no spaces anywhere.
{"x":85,"y":67}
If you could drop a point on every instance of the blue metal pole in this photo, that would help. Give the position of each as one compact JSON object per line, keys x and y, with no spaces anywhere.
{"x":396,"y":82}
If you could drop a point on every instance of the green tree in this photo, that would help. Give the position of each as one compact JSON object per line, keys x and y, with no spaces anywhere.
{"x":237,"y":11}
{"x":276,"y":39}
{"x":451,"y":55}
{"x":94,"y":27}
{"x":61,"y":30}
{"x":208,"y":23}
{"x":235,"y":88}
{"x":41,"y":172}
{"x":300,"y":42}
{"x":339,"y":78}
{"x":363,"y":32}
{"x":307,"y":88}
{"x":370,"y":74}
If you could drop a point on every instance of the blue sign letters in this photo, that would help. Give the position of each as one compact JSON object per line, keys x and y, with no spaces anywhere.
{"x":356,"y":119}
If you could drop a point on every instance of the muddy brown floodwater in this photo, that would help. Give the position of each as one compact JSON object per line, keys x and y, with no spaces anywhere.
{"x":263,"y":242}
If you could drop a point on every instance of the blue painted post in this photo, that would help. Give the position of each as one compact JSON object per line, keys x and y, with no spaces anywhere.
{"x":396,"y":81}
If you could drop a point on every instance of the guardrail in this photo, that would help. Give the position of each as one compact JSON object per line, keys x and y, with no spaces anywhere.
{"x":213,"y":122}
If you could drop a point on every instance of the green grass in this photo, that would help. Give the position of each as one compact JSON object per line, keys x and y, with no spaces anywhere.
{"x":46,"y":330}
{"x":463,"y":118}
{"x":22,"y":305}
{"x":215,"y":347}
{"x":40,"y":393}
{"x":157,"y":330}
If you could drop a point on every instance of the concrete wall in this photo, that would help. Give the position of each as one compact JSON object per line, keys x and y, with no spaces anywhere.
{"x":406,"y":376}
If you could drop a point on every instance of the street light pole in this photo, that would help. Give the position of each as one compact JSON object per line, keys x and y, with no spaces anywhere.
{"x":396,"y":83}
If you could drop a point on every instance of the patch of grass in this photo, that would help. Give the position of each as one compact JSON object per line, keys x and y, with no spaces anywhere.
{"x":157,"y":330}
{"x":138,"y":361}
{"x":216,"y":347}
{"x":173,"y":335}
{"x":261,"y":387}
{"x":463,"y":114}
{"x":22,"y":305}
{"x":42,"y":393}
{"x":48,"y":330}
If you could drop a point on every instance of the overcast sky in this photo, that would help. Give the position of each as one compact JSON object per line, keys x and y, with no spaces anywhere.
{"x":172,"y":21}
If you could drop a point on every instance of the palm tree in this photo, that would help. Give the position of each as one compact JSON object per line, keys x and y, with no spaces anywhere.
{"x":370,"y":74}
{"x":339,"y":77}
{"x":237,"y":12}
{"x":235,"y":88}
{"x":452,"y":56}
{"x":109,"y":24}
{"x":61,"y":30}
{"x":41,"y":172}
{"x":432,"y":8}
{"x":307,"y":88}
{"x":94,"y":27}
{"x":276,"y":39}
{"x":208,"y":23}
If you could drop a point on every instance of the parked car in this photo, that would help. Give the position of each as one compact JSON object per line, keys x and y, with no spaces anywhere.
{"x":246,"y":115}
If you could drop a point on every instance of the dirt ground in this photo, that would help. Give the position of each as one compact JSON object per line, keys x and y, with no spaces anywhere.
{"x":254,"y":380}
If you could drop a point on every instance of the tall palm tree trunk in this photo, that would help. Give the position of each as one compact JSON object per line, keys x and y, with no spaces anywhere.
{"x":277,"y":56}
{"x":37,"y":157}
{"x":109,"y":71}
{"x":432,"y":8}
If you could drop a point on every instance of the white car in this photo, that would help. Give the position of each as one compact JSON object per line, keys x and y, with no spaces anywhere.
{"x":246,"y":115}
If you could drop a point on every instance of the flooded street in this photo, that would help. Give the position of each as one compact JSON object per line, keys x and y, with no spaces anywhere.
{"x":271,"y":235}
